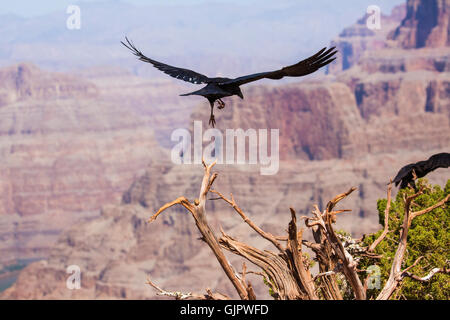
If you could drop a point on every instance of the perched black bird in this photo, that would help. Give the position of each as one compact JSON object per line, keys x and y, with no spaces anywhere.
{"x":217,"y":88}
{"x":406,"y":174}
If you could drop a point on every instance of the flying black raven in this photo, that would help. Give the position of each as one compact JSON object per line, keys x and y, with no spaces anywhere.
{"x":420,"y":169}
{"x":217,"y":88}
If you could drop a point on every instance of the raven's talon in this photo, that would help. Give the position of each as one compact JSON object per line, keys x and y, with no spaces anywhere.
{"x":221,"y":104}
{"x":212,"y":121}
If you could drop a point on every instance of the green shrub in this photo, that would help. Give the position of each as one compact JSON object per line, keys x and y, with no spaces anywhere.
{"x":429,"y":236}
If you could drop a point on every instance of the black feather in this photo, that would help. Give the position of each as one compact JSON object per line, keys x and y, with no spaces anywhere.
{"x":179,"y":73}
{"x":405,"y":175}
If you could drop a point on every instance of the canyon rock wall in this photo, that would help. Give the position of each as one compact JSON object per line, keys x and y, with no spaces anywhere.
{"x":68,"y":145}
{"x":427,"y":24}
{"x":357,"y":39}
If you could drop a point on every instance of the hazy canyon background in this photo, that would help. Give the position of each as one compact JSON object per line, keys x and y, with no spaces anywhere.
{"x":85,"y":132}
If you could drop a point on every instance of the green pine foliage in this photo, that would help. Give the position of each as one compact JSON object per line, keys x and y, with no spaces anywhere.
{"x":429,"y":236}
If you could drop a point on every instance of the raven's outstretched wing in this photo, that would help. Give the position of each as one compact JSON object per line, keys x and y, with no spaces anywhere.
{"x":179,"y":73}
{"x":303,"y":68}
{"x":440,"y":160}
{"x":422,"y":168}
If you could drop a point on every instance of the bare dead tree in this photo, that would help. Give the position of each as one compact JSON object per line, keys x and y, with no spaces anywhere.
{"x":197,"y":209}
{"x":287,"y":271}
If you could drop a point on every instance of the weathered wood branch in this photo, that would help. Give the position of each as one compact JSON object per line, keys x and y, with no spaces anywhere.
{"x":348,"y":263}
{"x":328,"y":261}
{"x":266,"y":235}
{"x":246,"y":284}
{"x":198,"y":212}
{"x":185,"y":296}
{"x":429,"y":276}
{"x":324,"y":220}
{"x":436,"y":205}
{"x":294,"y":251}
{"x":280,"y":276}
{"x":386,"y":220}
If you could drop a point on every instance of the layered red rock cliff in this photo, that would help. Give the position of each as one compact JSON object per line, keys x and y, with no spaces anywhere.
{"x":27,"y":82}
{"x":68,"y":145}
{"x":357,"y":39}
{"x":427,"y":24}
